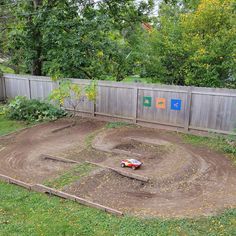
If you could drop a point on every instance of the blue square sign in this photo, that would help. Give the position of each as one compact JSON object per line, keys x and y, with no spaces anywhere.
{"x":176,"y":104}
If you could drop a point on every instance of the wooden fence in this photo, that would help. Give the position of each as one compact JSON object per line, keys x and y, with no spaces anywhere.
{"x":179,"y":107}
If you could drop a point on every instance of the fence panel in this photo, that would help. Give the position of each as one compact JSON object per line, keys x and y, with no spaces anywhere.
{"x":40,"y":89}
{"x":182,"y":107}
{"x":17,"y":87}
{"x":213,"y":112}
{"x":115,"y":101}
{"x":160,"y":110}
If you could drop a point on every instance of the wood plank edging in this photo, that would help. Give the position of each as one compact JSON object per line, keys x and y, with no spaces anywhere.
{"x":129,"y":175}
{"x":44,"y":189}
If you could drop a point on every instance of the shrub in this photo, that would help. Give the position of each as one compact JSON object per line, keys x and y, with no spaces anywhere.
{"x":21,"y":108}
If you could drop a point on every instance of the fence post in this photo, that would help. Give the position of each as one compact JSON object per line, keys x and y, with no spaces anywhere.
{"x":29,"y":84}
{"x":135,"y":109}
{"x":4,"y":94}
{"x":93,"y":108}
{"x":188,"y":109}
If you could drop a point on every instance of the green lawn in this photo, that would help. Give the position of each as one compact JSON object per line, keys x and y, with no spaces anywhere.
{"x":7,"y":126}
{"x":28,"y":213}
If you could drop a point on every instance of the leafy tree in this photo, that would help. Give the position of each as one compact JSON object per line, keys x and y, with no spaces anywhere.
{"x":73,"y":37}
{"x":209,"y":37}
{"x":193,"y":44}
{"x":73,"y":94}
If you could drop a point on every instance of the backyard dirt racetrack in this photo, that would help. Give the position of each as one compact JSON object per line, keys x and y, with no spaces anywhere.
{"x":184,"y":180}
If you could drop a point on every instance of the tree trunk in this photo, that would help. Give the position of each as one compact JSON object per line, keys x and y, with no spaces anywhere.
{"x":37,"y":61}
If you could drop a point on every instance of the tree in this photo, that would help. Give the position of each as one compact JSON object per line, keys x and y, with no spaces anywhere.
{"x":209,"y":37}
{"x":73,"y":94}
{"x":73,"y":37}
{"x":193,"y":44}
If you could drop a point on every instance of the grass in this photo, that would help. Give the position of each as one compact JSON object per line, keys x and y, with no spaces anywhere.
{"x":8,"y":126}
{"x":71,"y":176}
{"x":114,"y":125}
{"x":27,"y":213}
{"x":225,"y":144}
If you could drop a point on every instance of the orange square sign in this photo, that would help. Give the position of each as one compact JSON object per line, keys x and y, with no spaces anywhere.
{"x":161,"y":103}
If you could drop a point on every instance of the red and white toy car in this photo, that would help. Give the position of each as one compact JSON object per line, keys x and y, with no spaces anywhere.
{"x":134,"y":164}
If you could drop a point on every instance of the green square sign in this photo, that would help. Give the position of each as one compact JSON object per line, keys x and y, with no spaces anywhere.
{"x":147,"y":101}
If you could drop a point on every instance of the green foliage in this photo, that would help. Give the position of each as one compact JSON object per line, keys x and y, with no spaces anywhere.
{"x":71,"y":176}
{"x":73,"y":94}
{"x":190,"y":42}
{"x":193,"y":43}
{"x":209,"y":40}
{"x":27,"y":213}
{"x":5,"y":69}
{"x":82,"y":39}
{"x":33,"y":110}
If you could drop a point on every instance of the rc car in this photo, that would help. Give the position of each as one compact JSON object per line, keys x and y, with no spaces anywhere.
{"x":134,"y":164}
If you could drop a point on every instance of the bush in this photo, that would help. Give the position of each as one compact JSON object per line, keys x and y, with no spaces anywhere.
{"x":21,"y":108}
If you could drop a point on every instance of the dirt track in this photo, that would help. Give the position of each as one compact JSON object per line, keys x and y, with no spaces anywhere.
{"x":21,"y":155}
{"x":185,"y":181}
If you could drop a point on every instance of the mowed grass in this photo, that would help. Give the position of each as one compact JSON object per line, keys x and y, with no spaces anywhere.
{"x":28,"y":213}
{"x":8,"y":126}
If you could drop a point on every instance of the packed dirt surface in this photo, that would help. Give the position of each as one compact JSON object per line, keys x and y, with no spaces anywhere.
{"x":184,"y":180}
{"x":22,"y":154}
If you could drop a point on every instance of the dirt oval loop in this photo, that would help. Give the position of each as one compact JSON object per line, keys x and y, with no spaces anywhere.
{"x":186,"y":181}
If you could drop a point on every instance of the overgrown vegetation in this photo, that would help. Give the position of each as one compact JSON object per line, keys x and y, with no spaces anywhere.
{"x":71,"y":176}
{"x":28,"y":213}
{"x":24,"y":109}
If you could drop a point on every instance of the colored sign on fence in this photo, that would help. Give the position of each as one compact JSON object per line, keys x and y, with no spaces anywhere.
{"x":147,"y":101}
{"x":161,"y":103}
{"x":176,"y":104}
